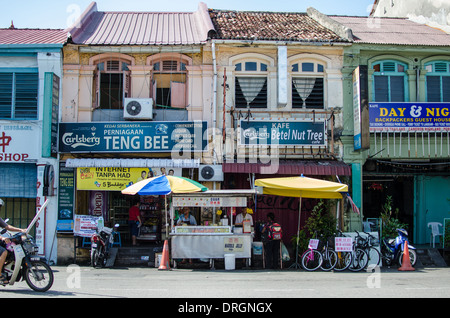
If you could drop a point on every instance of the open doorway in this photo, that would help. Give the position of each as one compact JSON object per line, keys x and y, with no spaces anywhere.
{"x":376,"y":191}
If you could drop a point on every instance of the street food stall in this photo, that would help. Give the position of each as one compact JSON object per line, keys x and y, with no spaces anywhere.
{"x":212,"y":239}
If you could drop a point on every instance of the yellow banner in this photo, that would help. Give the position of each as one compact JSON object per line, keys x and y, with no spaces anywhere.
{"x":108,"y":179}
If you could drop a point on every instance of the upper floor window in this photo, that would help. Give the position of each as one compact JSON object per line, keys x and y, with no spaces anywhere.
{"x":19,"y":94}
{"x":169,"y":80}
{"x":438,"y":81}
{"x":112,"y":82}
{"x":251,"y":84}
{"x":307,"y":85}
{"x":389,"y":81}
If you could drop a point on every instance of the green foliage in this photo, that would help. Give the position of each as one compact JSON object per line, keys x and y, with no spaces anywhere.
{"x":321,"y":222}
{"x":390,"y":220}
{"x":447,"y":234}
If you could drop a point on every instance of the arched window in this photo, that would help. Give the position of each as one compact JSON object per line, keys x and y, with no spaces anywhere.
{"x":438,"y":81}
{"x":390,"y":81}
{"x":307,"y":84}
{"x":169,"y":82}
{"x":251,"y":84}
{"x":112,"y":82}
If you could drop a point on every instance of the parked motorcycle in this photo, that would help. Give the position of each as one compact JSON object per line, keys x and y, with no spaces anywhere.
{"x":23,"y":262}
{"x":101,"y":242}
{"x":392,"y":250}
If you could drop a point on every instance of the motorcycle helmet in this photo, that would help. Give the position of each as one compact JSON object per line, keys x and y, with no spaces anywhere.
{"x":402,"y":231}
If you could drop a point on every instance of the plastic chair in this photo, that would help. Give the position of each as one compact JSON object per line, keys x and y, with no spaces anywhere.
{"x":86,"y":242}
{"x":367,"y":226}
{"x":435,"y":231}
{"x":117,"y":239}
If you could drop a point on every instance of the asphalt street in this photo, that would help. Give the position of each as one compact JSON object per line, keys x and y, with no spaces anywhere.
{"x":86,"y":282}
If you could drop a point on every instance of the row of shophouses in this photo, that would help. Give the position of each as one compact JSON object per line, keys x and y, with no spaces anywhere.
{"x":225,"y":97}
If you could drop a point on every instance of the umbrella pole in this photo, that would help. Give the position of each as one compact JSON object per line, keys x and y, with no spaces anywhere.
{"x":165,"y":204}
{"x":297,"y":264}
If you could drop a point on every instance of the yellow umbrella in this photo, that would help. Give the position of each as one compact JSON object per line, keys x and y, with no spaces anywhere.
{"x":302,"y":187}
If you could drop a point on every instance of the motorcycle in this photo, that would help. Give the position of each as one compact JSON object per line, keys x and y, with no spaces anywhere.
{"x":100,"y":244}
{"x":23,"y":262}
{"x":392,"y":250}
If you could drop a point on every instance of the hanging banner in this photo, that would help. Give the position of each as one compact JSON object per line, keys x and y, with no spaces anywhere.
{"x":413,"y":117}
{"x":117,"y":179}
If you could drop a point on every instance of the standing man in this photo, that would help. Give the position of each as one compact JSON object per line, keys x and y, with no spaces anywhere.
{"x":134,"y":220}
{"x":272,"y":242}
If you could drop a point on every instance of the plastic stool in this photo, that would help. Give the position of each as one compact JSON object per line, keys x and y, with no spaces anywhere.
{"x":117,"y":239}
{"x":86,"y":242}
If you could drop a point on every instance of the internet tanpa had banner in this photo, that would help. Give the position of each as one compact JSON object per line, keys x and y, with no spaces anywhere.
{"x":413,"y":117}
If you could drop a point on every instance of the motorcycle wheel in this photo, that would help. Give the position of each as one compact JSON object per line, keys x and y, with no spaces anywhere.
{"x":98,"y":258}
{"x":39,"y":277}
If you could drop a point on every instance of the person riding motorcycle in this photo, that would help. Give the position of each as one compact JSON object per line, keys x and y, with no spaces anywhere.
{"x":3,"y":251}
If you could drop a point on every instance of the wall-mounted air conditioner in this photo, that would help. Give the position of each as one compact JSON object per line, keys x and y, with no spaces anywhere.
{"x":138,"y":108}
{"x":210,"y":173}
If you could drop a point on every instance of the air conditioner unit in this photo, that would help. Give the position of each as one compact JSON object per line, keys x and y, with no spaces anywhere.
{"x":210,"y":173}
{"x":138,"y":108}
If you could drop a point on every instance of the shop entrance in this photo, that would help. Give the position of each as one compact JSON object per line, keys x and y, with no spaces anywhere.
{"x":399,"y":190}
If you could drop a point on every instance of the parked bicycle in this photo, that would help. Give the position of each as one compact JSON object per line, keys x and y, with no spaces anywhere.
{"x":312,"y":258}
{"x":359,"y":259}
{"x":368,"y":244}
{"x":329,"y":256}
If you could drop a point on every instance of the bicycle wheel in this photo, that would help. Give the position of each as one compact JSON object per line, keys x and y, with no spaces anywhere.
{"x":311,"y":260}
{"x":360,"y":260}
{"x":329,"y":260}
{"x":344,"y":259}
{"x":374,"y":256}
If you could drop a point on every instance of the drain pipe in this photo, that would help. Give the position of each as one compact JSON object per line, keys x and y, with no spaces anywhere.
{"x":214,"y":103}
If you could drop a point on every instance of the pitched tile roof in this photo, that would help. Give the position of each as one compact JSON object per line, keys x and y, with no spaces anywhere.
{"x":272,"y":26}
{"x":141,"y":28}
{"x":397,"y":31}
{"x":32,"y":36}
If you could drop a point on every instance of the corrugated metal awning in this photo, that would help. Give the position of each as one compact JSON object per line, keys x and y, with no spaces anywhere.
{"x":292,"y":167}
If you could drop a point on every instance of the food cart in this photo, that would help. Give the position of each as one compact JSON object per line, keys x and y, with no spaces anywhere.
{"x":211,"y":240}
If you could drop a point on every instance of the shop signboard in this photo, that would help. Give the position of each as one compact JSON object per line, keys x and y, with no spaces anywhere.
{"x":116,"y":178}
{"x":284,"y":133}
{"x":207,"y":201}
{"x":409,"y":117}
{"x":66,"y":190}
{"x":86,"y":225}
{"x":19,"y":142}
{"x":149,"y":136}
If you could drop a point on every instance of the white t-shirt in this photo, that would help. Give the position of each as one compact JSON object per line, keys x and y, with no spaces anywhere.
{"x":240,"y":218}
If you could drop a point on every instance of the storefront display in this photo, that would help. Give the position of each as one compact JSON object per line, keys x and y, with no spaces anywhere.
{"x":211,"y":240}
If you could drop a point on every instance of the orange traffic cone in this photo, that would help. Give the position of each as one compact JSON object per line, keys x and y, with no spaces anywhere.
{"x":165,"y":257}
{"x":406,"y":263}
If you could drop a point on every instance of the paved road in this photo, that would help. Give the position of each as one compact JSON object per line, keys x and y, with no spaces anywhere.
{"x":86,"y":282}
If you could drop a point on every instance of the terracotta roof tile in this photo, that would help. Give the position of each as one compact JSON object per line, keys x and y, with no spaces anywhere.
{"x":273,"y":26}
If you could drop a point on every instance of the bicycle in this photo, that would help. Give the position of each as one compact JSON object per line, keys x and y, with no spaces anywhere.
{"x":368,"y":245}
{"x":344,"y":259}
{"x":329,"y":256}
{"x":312,"y":259}
{"x":360,"y":258}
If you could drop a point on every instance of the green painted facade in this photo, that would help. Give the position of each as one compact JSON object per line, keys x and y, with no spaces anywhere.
{"x":412,"y":168}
